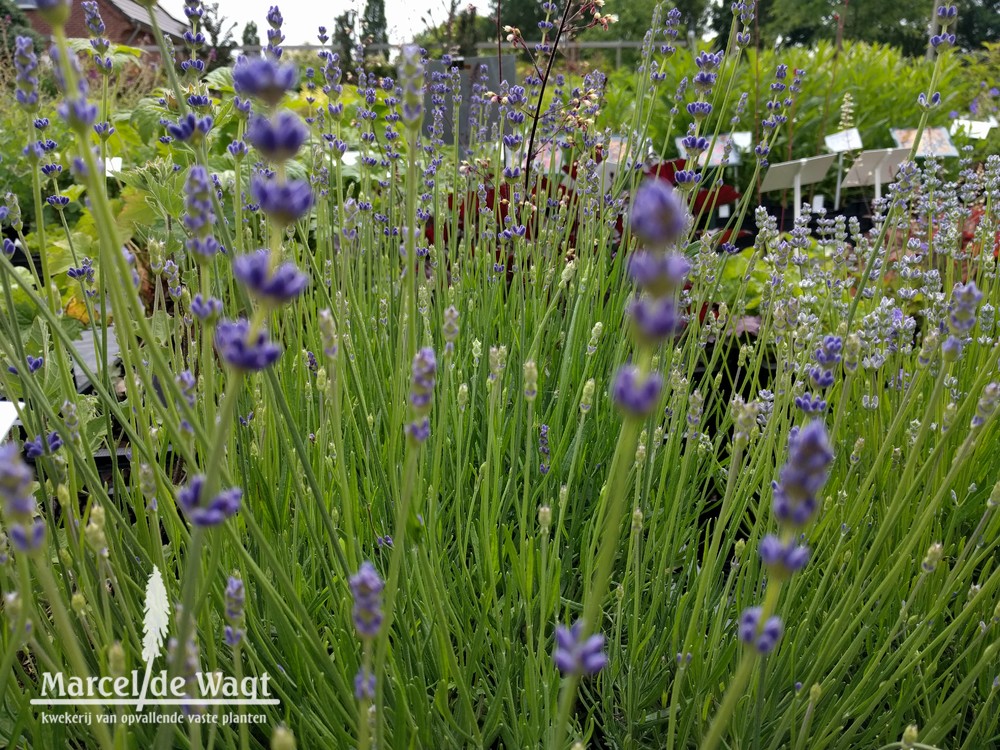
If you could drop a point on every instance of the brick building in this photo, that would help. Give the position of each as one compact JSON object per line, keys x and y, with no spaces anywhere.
{"x":127,"y":22}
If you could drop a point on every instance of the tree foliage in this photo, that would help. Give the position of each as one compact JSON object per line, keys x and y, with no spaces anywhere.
{"x":459,"y":33}
{"x":221,"y":41}
{"x":15,"y":23}
{"x":524,"y":14}
{"x":251,"y":36}
{"x":343,"y":38}
{"x":374,"y":28}
{"x":902,"y":25}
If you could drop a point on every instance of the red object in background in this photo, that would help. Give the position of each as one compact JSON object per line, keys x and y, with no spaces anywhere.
{"x":706,"y":200}
{"x":969,"y":232}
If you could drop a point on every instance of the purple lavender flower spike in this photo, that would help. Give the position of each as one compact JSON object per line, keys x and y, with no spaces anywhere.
{"x":15,"y":484}
{"x":655,"y":319}
{"x":419,"y":430}
{"x":364,"y":684}
{"x":424,"y":372}
{"x":780,"y":558}
{"x":263,"y":78}
{"x":214,"y":511}
{"x":965,"y":299}
{"x":573,"y":657}
{"x":658,"y":273}
{"x":190,"y":127}
{"x":242,"y":351}
{"x":206,"y":310}
{"x":762,"y":637}
{"x":278,"y":287}
{"x":411,"y":79}
{"x":951,"y":349}
{"x":26,"y":69}
{"x":78,"y":113}
{"x":658,"y":216}
{"x":810,"y":404}
{"x":366,"y":588}
{"x":284,"y":202}
{"x":635,"y":395}
{"x":277,"y":139}
{"x":199,"y":216}
{"x":803,"y":475}
{"x":27,"y":533}
{"x":235,"y":597}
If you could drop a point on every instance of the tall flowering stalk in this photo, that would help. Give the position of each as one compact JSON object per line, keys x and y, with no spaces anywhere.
{"x":422,"y":381}
{"x":795,"y":503}
{"x":659,"y":219}
{"x":366,"y":588}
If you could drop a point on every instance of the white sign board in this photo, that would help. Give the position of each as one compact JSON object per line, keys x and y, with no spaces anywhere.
{"x":718,"y":154}
{"x":845,"y":140}
{"x":977,"y":130}
{"x":8,"y":417}
{"x":933,"y":141}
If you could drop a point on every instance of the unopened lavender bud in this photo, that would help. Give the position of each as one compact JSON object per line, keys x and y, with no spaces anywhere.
{"x":328,"y":333}
{"x":78,"y":603}
{"x":530,"y":380}
{"x":116,"y":659}
{"x":450,"y":326}
{"x":696,"y":403}
{"x":13,"y":211}
{"x":859,"y":445}
{"x":147,"y":485}
{"x":909,"y":736}
{"x":595,"y":337}
{"x":987,"y":404}
{"x":930,"y":344}
{"x":282,"y":738}
{"x":994,"y":499}
{"x":852,"y":351}
{"x":738,"y":548}
{"x":745,"y":419}
{"x":477,"y":350}
{"x":933,"y":557}
{"x":544,"y":517}
{"x":94,"y":532}
{"x":815,"y":693}
{"x":948,"y":418}
{"x":637,"y":520}
{"x":498,"y":361}
{"x":587,"y":399}
{"x":567,"y":274}
{"x":463,"y":396}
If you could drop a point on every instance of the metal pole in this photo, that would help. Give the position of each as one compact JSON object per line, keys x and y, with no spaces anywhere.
{"x":840,"y":176}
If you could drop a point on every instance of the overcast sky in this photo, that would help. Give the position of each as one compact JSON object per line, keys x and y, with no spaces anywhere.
{"x":302,"y":17}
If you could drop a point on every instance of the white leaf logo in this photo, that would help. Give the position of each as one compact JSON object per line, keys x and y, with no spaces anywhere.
{"x":157,"y":620}
{"x":154,"y":626}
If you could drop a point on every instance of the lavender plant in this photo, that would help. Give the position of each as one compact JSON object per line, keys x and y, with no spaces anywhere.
{"x":446,"y":447}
